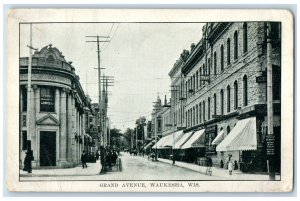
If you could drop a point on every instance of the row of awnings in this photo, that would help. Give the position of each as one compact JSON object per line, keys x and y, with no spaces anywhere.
{"x":241,"y":137}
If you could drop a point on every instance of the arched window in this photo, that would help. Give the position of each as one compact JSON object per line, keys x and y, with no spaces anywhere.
{"x":197,"y":114}
{"x":228,"y":129}
{"x":236,"y":98}
{"x":200,"y":73}
{"x":200,"y":113}
{"x":222,"y":57}
{"x":215,"y":104}
{"x":222,"y":101}
{"x":186,"y":89}
{"x":228,"y":98}
{"x":245,"y":37}
{"x":228,"y":51}
{"x":235,"y":42}
{"x":194,"y":84}
{"x":245,"y":90}
{"x":215,"y":63}
{"x":197,"y":80}
{"x":203,"y":111}
{"x":194,"y":116}
{"x":208,"y":108}
{"x":208,"y":67}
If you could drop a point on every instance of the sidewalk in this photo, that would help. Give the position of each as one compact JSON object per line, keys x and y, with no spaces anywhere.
{"x":92,"y":169}
{"x":218,"y":172}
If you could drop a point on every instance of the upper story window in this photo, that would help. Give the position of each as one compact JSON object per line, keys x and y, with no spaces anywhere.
{"x":208,"y":67}
{"x":245,"y":37}
{"x":215,"y":104}
{"x":228,"y":51}
{"x":222,"y":101}
{"x":197,"y":114}
{"x":194,"y":84}
{"x":47,"y":103}
{"x":200,"y":113}
{"x":215,"y":63}
{"x":203,"y":110}
{"x":235,"y":44}
{"x":228,"y":98}
{"x":197,"y":80}
{"x":236,"y":98}
{"x":50,"y":59}
{"x":245,"y":90}
{"x":24,"y":99}
{"x":208,"y":108}
{"x":222,"y":57}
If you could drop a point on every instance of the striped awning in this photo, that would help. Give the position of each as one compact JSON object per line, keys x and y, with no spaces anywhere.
{"x":183,"y":139}
{"x":196,"y":141}
{"x":148,"y":145}
{"x":159,"y":143}
{"x":174,"y":137}
{"x":219,"y":138}
{"x":242,"y":137}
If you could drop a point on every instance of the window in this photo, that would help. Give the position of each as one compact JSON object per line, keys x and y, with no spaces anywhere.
{"x":194,"y":84}
{"x":245,"y":37}
{"x":222,"y":101}
{"x":194,"y":116}
{"x":197,"y":80}
{"x":186,"y":89}
{"x":228,"y":98}
{"x":208,"y":108}
{"x":222,"y":57}
{"x":47,"y":100}
{"x":50,"y":59}
{"x":200,"y":73}
{"x":191,"y":117}
{"x":208,"y":67}
{"x":186,"y":118}
{"x":228,"y":129}
{"x":24,"y":140}
{"x":197,"y":114}
{"x":215,"y":63}
{"x":245,"y":90}
{"x":228,"y":51}
{"x":235,"y":44}
{"x":215,"y":104}
{"x":203,"y":110}
{"x":236,"y":98}
{"x":24,"y":99}
{"x":200,"y":112}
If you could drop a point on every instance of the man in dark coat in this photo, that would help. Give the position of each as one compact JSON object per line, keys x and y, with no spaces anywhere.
{"x":83,"y":159}
{"x":27,"y":161}
{"x":102,"y":160}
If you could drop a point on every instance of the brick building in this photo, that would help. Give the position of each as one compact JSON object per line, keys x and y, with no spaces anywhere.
{"x":220,"y":94}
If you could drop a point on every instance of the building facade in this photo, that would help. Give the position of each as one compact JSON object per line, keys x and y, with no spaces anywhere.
{"x":219,"y":93}
{"x":58,"y":110}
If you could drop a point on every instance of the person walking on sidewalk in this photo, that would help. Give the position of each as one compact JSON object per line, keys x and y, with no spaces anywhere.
{"x":83,"y":159}
{"x":102,"y":160}
{"x":230,"y":166}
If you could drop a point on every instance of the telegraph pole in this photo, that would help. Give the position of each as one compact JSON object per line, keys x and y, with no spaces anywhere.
{"x":29,"y":99}
{"x":98,"y":41}
{"x":270,"y":138}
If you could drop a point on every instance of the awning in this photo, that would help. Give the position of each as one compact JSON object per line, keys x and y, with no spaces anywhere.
{"x":160,"y":142}
{"x":197,"y":140}
{"x":148,"y":145}
{"x":183,"y":139}
{"x":242,"y":137}
{"x":276,"y":122}
{"x":173,"y":137}
{"x":219,"y":138}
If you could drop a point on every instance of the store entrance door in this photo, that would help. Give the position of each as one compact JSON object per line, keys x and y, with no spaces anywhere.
{"x":47,"y":148}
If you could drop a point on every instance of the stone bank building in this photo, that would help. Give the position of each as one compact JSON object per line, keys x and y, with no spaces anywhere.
{"x":220,"y":101}
{"x":58,"y":111}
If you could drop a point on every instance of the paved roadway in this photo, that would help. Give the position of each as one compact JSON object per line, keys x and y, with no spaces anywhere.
{"x":134,"y":168}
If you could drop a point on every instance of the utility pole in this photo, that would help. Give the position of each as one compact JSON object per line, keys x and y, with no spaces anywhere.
{"x":98,"y":41}
{"x":270,"y":138}
{"x":29,"y":99}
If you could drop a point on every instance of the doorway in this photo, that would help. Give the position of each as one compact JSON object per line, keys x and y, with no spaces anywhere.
{"x":47,"y":148}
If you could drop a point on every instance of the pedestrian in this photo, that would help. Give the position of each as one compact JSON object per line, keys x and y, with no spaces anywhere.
{"x":236,"y":165}
{"x":230,"y":166}
{"x":102,"y":160}
{"x":27,"y":161}
{"x":108,"y":159}
{"x":83,"y":159}
{"x":97,"y":155}
{"x":221,"y":164}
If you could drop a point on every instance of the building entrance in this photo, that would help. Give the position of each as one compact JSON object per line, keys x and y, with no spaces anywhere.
{"x":47,"y":148}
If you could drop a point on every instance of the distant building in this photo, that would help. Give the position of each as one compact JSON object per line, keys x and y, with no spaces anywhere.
{"x":58,"y":111}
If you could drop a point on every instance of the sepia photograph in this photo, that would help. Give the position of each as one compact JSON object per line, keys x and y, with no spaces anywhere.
{"x":151,"y":104}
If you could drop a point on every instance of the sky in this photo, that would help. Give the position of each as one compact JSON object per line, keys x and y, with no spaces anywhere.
{"x":139,"y":56}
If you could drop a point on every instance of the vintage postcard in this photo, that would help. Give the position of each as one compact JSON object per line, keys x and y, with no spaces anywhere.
{"x":142,"y":100}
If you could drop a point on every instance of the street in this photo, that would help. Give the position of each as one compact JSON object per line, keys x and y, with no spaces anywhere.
{"x":134,"y":168}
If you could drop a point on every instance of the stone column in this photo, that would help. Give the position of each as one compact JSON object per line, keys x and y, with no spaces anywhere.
{"x":69,"y":128}
{"x":78,"y":133}
{"x":73,"y":129}
{"x":63,"y":129}
{"x":57,"y":102}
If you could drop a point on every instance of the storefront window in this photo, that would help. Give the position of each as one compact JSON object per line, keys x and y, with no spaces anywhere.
{"x":24,"y":140}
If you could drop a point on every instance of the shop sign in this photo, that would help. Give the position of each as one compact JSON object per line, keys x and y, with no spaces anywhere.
{"x":270,"y":140}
